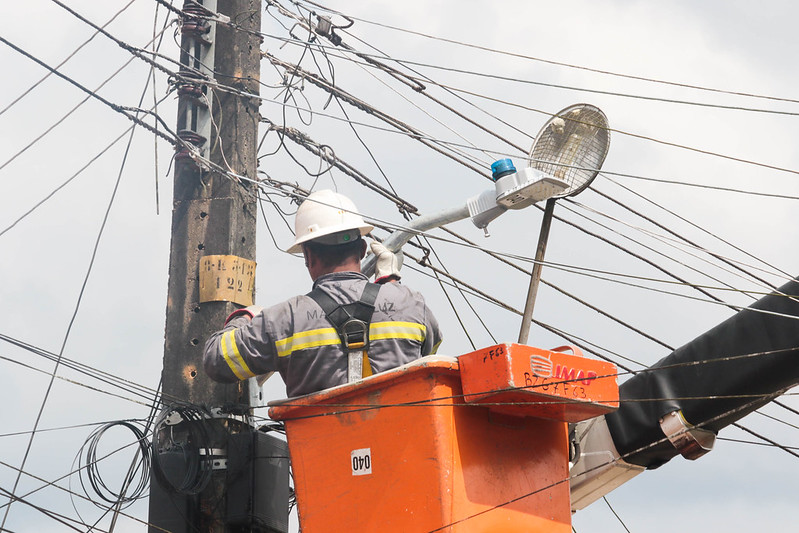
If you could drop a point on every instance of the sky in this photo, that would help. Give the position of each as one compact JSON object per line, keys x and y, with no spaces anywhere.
{"x":85,"y":273}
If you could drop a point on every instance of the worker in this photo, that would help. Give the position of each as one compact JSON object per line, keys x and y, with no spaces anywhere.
{"x":344,"y":329}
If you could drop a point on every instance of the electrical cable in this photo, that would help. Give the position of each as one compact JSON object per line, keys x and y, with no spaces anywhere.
{"x":54,"y":485}
{"x":562,"y":291}
{"x":73,"y":382}
{"x":74,"y":314}
{"x":552,"y":62}
{"x":604,"y":172}
{"x":612,"y":510}
{"x":698,"y":227}
{"x":638,"y":136}
{"x":405,"y":62}
{"x":363,"y":106}
{"x":780,"y":420}
{"x":92,"y":473}
{"x":64,"y":520}
{"x":119,"y":109}
{"x":645,"y":260}
{"x":673,"y":243}
{"x":194,"y":450}
{"x":627,"y":175}
{"x":62,"y":428}
{"x":315,"y":148}
{"x":419,"y":88}
{"x":753,"y":443}
{"x":66,"y":115}
{"x":72,"y":177}
{"x":148,"y":394}
{"x":766,"y":439}
{"x":572,"y":204}
{"x":66,"y":59}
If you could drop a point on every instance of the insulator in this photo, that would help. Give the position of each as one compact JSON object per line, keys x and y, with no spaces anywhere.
{"x":190,"y":137}
{"x":193,"y":24}
{"x":190,"y":90}
{"x":187,"y":86}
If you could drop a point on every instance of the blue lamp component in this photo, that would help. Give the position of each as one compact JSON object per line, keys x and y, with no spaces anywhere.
{"x":501,"y":168}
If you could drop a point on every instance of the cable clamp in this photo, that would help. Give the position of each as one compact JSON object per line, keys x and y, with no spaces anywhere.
{"x":217,"y":458}
{"x":692,"y":442}
{"x":217,"y":412}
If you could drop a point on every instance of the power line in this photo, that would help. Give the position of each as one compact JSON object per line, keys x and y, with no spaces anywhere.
{"x":67,"y":114}
{"x":75,"y":312}
{"x":553,"y":62}
{"x":612,"y":510}
{"x":119,"y":109}
{"x":66,"y":59}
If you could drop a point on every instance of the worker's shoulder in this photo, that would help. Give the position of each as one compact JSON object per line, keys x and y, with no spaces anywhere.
{"x":398,"y":290}
{"x":282,"y":309}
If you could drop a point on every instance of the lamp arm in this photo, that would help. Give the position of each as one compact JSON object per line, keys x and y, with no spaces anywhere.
{"x":397,"y":240}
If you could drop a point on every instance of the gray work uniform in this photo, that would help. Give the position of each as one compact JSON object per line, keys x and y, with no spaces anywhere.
{"x":295,"y":339}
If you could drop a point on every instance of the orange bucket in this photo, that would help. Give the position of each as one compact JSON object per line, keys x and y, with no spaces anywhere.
{"x":402,"y":452}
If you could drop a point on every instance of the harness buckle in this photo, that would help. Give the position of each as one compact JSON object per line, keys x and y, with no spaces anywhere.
{"x":354,"y":335}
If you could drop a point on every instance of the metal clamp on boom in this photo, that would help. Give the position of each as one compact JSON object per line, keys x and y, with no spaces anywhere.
{"x":692,"y":442}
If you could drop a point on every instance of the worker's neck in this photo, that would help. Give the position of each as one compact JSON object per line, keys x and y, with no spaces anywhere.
{"x":352,"y":266}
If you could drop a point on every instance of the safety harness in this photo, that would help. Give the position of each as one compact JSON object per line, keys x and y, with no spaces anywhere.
{"x":352,"y":324}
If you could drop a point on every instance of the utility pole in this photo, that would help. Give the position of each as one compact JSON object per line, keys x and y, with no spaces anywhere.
{"x":213,"y":215}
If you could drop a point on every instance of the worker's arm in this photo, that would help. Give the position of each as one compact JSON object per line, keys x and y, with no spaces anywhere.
{"x":387,"y":268}
{"x":433,"y":336}
{"x":242,"y":349}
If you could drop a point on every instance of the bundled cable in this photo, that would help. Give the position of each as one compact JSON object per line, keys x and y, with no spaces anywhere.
{"x":182,"y":451}
{"x":91,"y":472}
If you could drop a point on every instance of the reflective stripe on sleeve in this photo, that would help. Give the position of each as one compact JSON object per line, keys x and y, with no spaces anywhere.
{"x":230,"y":352}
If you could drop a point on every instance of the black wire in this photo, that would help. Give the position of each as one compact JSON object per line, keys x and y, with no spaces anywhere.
{"x":115,"y":107}
{"x":65,"y":60}
{"x":92,"y":472}
{"x":74,"y":314}
{"x":65,"y":520}
{"x":612,"y":510}
{"x":551,"y":62}
{"x":196,"y":444}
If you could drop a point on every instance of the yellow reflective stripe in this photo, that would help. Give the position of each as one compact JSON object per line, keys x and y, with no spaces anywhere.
{"x":307,"y":339}
{"x":435,"y":348}
{"x":397,"y":330}
{"x":234,"y":359}
{"x":315,"y":338}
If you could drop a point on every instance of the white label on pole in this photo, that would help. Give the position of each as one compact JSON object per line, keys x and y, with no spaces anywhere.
{"x":361,"y":461}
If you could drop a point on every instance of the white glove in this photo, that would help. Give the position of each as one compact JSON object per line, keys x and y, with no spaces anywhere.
{"x":388,"y":263}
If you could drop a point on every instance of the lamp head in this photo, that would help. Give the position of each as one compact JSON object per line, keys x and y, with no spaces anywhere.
{"x":571,"y":147}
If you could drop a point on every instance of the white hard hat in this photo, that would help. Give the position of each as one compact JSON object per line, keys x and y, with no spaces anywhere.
{"x":327,"y":217}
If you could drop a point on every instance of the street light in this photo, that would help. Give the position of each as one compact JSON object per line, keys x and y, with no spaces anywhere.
{"x":571,"y":146}
{"x":566,"y":156}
